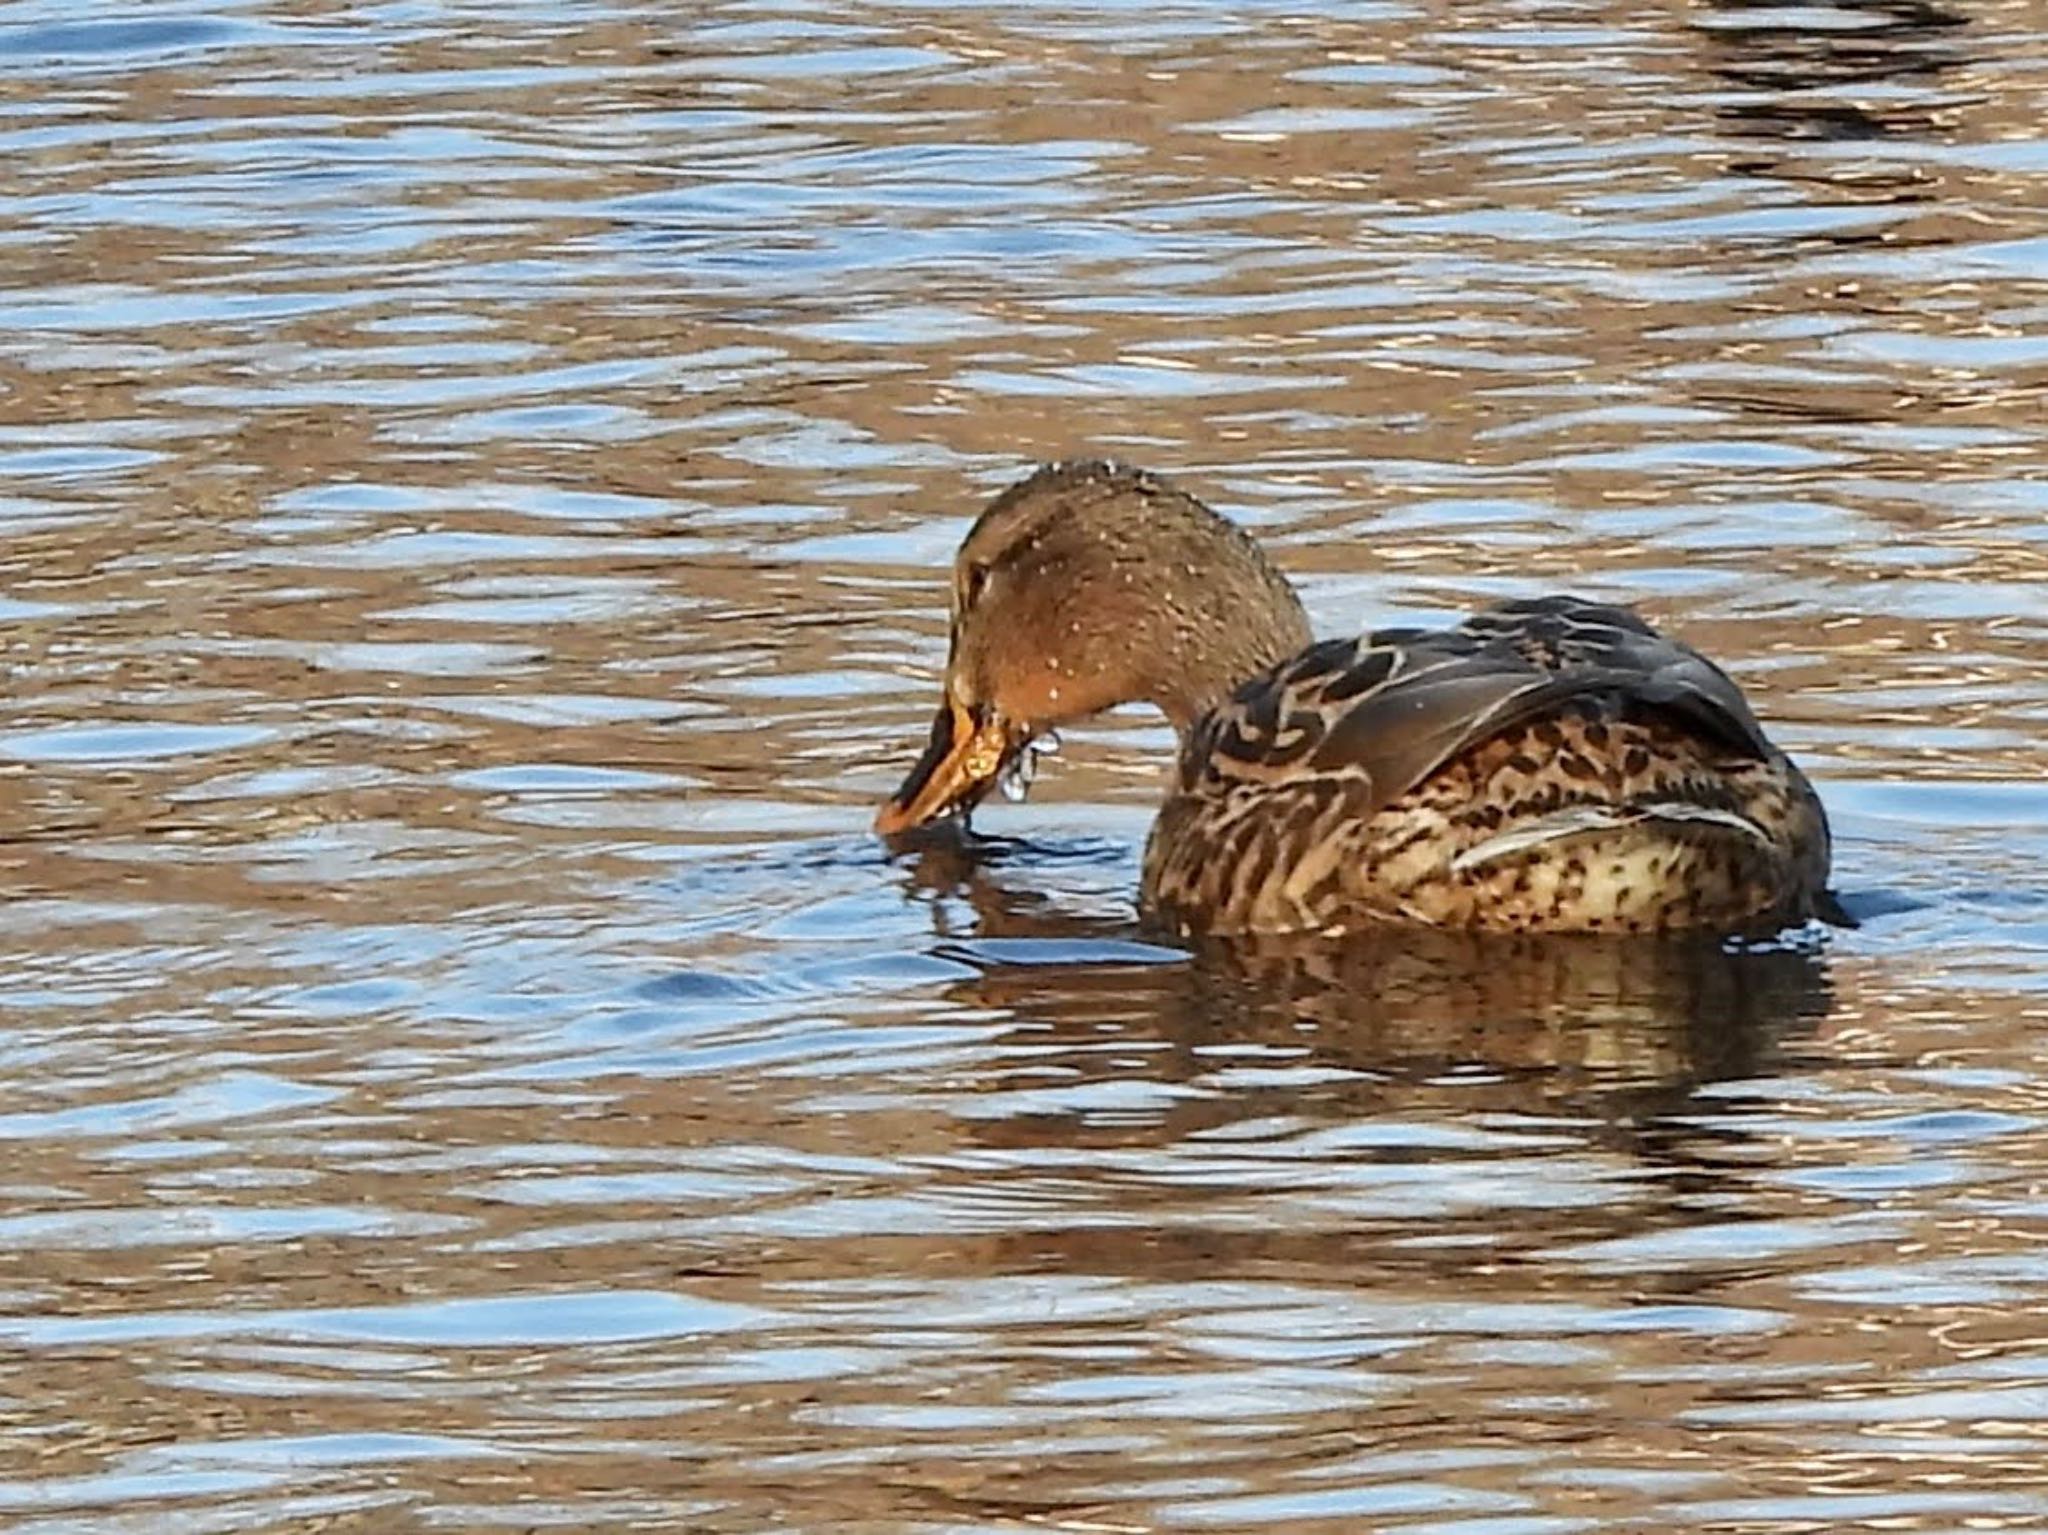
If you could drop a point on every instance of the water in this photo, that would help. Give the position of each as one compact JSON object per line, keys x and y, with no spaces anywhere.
{"x":477,"y":482}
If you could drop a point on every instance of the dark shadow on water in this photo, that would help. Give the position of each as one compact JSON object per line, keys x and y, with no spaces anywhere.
{"x":1877,"y":73}
{"x":1864,"y":906}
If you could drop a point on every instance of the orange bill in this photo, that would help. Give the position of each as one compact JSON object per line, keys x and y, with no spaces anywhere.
{"x":961,"y":760}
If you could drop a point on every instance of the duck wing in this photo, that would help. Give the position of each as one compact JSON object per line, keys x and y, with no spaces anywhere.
{"x":1393,"y":706}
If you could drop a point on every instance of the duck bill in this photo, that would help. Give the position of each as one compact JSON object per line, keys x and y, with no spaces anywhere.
{"x":963,"y":758}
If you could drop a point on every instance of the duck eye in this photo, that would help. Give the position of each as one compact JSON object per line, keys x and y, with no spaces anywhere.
{"x":973,"y":585}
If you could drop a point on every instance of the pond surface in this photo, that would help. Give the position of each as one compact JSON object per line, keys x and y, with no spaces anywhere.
{"x":476,"y":487}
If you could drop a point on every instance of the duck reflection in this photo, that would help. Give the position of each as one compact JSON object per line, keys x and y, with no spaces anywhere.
{"x":1627,"y":1028}
{"x":1402,"y":1107}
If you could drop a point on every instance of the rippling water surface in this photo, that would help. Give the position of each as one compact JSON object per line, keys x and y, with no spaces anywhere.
{"x":477,"y":482}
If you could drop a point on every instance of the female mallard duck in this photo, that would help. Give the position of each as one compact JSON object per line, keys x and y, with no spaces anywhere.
{"x":1550,"y":764}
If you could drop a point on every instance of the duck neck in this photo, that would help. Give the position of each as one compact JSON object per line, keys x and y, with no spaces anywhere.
{"x":1237,"y":625}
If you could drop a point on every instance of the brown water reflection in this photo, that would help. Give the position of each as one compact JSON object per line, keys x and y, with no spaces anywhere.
{"x":476,"y":486}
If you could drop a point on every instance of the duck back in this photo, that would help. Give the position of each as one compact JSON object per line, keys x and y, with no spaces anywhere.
{"x":1553,"y":765}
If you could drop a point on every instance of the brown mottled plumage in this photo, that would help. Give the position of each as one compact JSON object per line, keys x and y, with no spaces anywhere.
{"x":1550,"y":765}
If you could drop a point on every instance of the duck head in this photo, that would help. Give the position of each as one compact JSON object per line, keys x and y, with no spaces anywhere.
{"x":1088,"y":585}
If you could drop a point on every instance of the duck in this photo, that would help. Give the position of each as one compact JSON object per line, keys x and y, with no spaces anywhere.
{"x":1549,"y":764}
